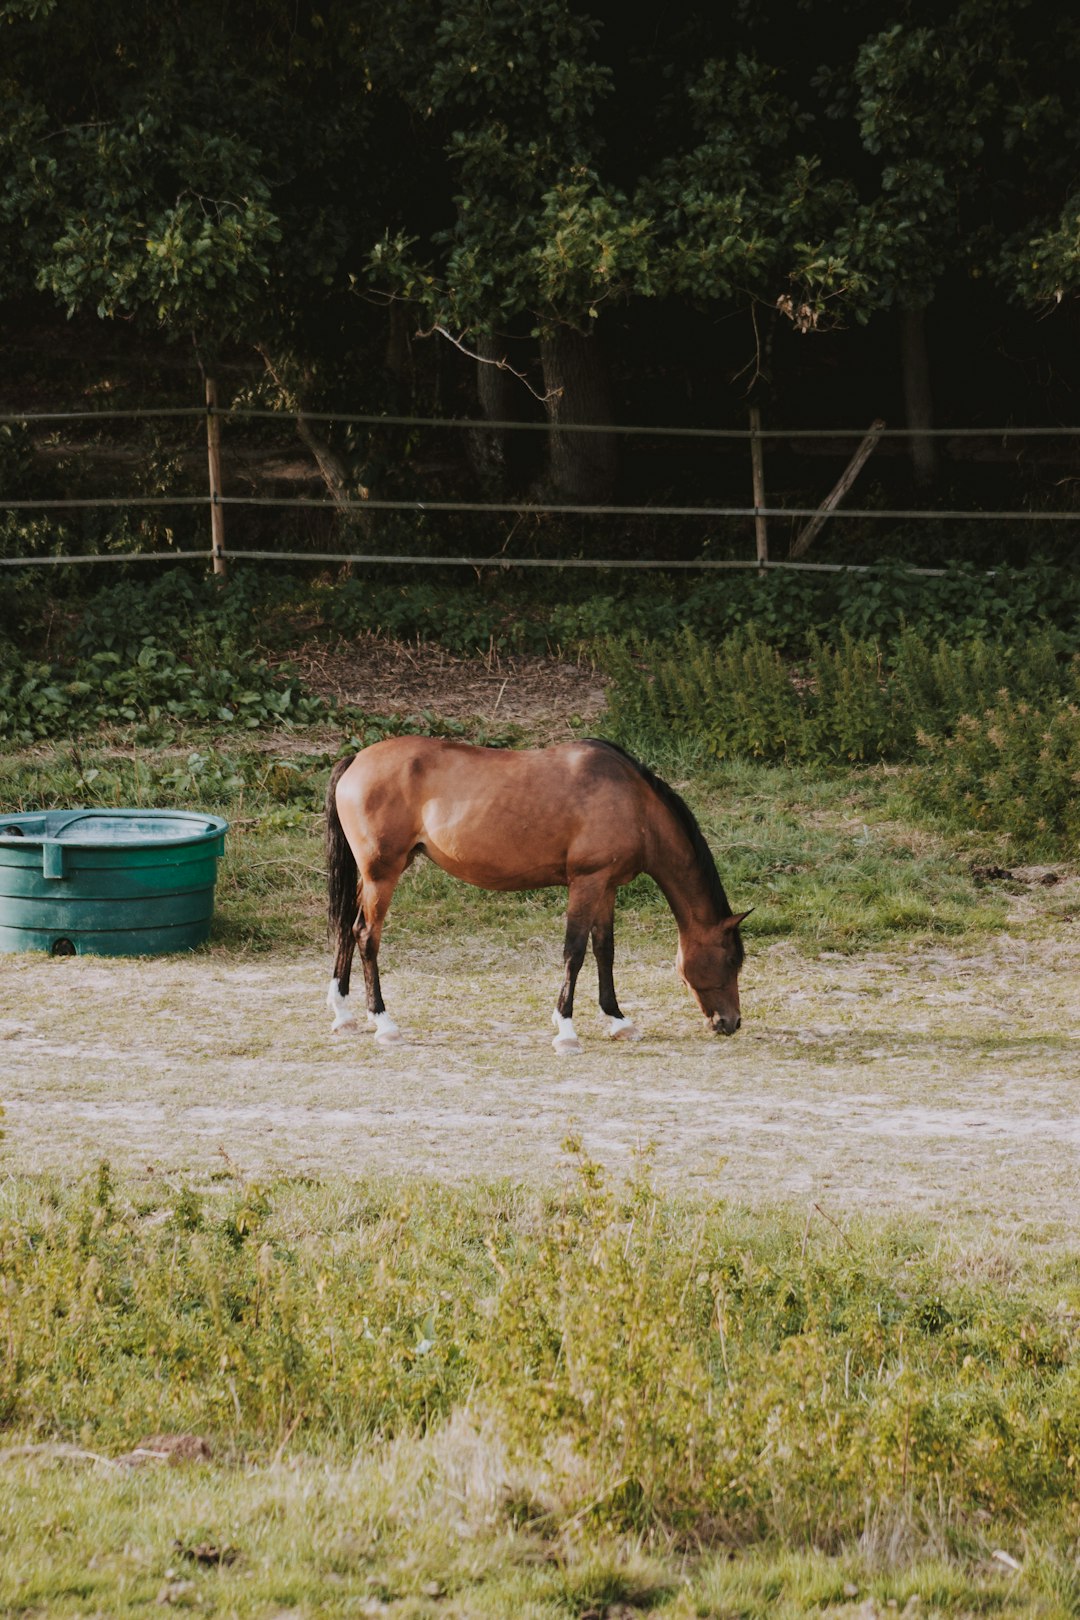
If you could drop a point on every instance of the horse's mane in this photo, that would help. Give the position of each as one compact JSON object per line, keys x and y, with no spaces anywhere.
{"x":703,"y":855}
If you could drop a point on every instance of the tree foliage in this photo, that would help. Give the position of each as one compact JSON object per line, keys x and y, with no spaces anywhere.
{"x":276,"y":175}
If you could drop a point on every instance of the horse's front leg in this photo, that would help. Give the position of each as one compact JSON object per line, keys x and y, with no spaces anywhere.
{"x":581,"y":905}
{"x":603,"y":943}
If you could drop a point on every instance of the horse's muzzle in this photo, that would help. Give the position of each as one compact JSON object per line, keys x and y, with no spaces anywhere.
{"x":722,"y":1025}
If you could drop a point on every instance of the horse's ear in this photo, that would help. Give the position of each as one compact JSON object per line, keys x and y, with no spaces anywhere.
{"x":740,"y":917}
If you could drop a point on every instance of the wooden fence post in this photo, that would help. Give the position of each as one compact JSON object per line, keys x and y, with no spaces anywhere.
{"x":801,"y":542}
{"x":757,"y":465}
{"x":213,"y":450}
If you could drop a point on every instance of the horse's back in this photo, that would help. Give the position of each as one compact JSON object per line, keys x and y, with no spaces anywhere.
{"x":499,"y":818}
{"x":424,"y":760}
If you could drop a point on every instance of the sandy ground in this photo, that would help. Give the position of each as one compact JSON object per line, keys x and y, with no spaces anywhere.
{"x":925,"y":1081}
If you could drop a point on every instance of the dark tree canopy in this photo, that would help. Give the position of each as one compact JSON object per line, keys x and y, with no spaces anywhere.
{"x":833,"y":210}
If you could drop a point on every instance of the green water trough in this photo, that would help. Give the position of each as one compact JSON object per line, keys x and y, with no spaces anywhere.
{"x":107,"y":882}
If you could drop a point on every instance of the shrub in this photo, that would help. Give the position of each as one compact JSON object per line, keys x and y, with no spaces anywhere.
{"x":1015,"y":769}
{"x":995,"y":724}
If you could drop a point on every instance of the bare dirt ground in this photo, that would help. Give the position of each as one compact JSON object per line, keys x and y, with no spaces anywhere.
{"x":540,"y":695}
{"x":936,"y":1080}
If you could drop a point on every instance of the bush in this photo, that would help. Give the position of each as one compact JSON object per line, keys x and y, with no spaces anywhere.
{"x":1014,"y":769}
{"x":995,"y":723}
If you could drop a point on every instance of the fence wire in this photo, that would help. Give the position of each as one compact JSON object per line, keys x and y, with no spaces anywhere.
{"x":486,"y":424}
{"x":499,"y":560}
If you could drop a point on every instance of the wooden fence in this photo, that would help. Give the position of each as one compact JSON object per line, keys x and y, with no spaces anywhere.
{"x":759,"y":510}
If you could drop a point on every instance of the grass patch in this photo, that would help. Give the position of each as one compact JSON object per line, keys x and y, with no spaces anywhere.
{"x":577,"y":1403}
{"x":833,"y":859}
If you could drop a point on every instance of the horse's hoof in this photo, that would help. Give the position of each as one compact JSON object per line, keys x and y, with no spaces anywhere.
{"x":346,"y":1026}
{"x":389,"y":1037}
{"x":567,"y":1043}
{"x":622,"y":1029}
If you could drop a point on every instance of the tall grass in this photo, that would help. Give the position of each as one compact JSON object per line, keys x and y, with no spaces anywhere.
{"x":659,"y":1366}
{"x":997,"y":724}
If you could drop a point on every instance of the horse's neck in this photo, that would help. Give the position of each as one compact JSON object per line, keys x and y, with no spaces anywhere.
{"x":693,"y":916}
{"x":674,"y":868}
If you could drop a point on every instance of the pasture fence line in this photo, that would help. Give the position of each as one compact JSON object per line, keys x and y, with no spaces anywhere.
{"x":760,"y":511}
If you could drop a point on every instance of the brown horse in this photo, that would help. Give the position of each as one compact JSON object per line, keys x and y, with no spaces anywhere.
{"x":582,"y":814}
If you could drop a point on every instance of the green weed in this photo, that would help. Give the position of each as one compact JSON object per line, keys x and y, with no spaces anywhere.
{"x":850,"y":700}
{"x":994,"y":725}
{"x":1014,"y":768}
{"x":156,"y":688}
{"x":652,"y":1365}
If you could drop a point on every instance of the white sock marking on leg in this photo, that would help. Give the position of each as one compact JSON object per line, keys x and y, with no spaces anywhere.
{"x":340,"y":1006}
{"x":566,"y":1040}
{"x":385,"y":1028}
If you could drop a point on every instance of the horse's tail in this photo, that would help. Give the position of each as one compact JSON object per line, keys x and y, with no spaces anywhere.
{"x":340,"y":864}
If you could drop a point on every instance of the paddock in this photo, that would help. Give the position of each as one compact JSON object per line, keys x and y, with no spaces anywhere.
{"x":930,"y":1081}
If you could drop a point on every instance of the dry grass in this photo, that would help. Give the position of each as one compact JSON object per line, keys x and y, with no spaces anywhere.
{"x":546,"y":697}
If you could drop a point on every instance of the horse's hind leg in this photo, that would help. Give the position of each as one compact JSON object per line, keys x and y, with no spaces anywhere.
{"x":337,"y":997}
{"x":376,"y":895}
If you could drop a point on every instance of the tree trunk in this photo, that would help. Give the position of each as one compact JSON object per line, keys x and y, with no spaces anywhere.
{"x":581,"y":466}
{"x":342,"y":485}
{"x":918,"y":399}
{"x":399,"y":357}
{"x":499,"y":397}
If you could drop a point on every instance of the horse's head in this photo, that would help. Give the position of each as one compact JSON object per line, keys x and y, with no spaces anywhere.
{"x":708,"y":964}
